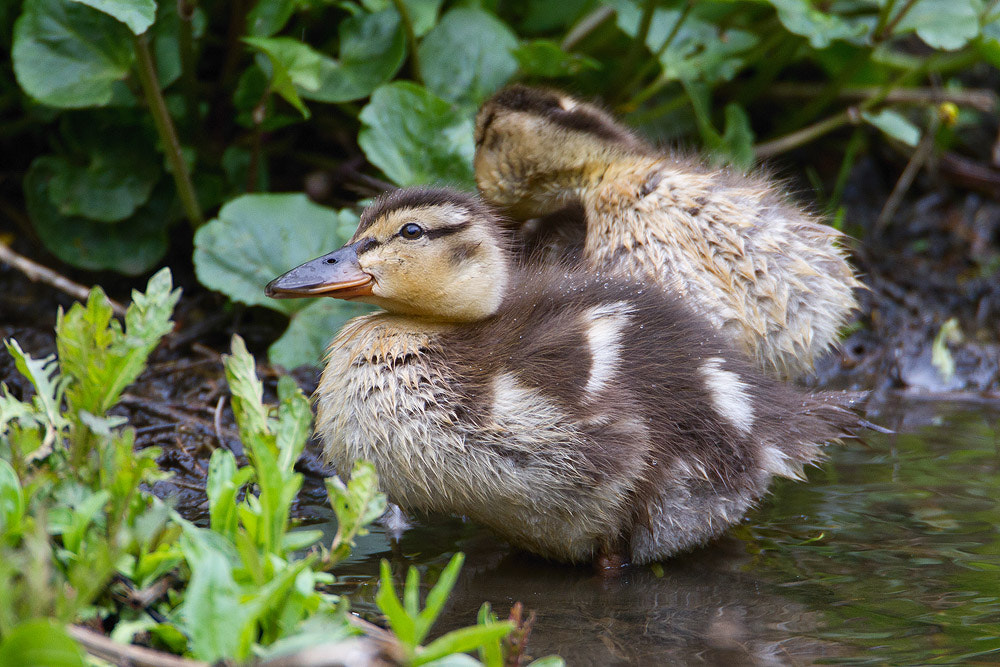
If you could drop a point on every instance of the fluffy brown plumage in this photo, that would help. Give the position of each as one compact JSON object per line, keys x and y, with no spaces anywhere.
{"x":578,"y":415}
{"x":769,"y":276}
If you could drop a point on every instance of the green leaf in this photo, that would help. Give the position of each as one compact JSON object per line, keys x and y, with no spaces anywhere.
{"x":100,"y":358}
{"x":699,"y":50}
{"x":388,"y":603}
{"x":461,"y":640}
{"x":356,"y":505}
{"x":40,"y":642}
{"x":294,"y":422}
{"x":258,"y":237}
{"x":138,"y":15}
{"x":467,"y":56}
{"x":942,"y":24}
{"x":68,"y":55}
{"x":246,"y":389}
{"x":116,"y":175}
{"x":44,"y":376}
{"x":372,"y":49}
{"x":132,"y":246}
{"x":423,"y":13}
{"x":11,"y":501}
{"x":544,"y":57}
{"x":310,"y":331}
{"x":269,"y":16}
{"x":438,"y":595}
{"x":737,"y":140}
{"x":491,"y":653}
{"x":416,"y":138}
{"x":294,"y":65}
{"x":803,"y":17}
{"x":213,"y":613}
{"x":895,"y":124}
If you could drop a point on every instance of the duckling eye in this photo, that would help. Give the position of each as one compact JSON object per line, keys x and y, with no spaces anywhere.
{"x":411,"y":230}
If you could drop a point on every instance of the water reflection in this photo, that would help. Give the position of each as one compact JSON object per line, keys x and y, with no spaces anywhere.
{"x":890,"y":553}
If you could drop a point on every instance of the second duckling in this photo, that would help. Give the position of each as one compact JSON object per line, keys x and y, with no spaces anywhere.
{"x":578,"y":415}
{"x":772,"y":278}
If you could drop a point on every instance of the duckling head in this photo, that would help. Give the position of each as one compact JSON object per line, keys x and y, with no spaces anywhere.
{"x":431,"y":253}
{"x":536,"y":148}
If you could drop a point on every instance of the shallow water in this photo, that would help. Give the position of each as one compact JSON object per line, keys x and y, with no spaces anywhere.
{"x":890,"y":553}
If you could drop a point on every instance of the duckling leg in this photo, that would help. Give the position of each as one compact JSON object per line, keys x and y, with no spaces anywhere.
{"x":395,"y":521}
{"x":612,"y":557}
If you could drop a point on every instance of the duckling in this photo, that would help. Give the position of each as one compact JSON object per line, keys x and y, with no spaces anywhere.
{"x":581,"y":416}
{"x":768,"y":275}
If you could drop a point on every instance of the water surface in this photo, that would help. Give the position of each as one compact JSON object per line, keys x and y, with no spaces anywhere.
{"x":890,"y":553}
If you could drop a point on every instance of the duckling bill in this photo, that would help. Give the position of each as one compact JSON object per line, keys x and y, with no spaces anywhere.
{"x":578,"y":415}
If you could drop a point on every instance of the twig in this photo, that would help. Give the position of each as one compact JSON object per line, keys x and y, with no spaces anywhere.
{"x":105,"y":648}
{"x":886,"y":30}
{"x":411,"y":39}
{"x":165,"y":128}
{"x":38,"y":273}
{"x":806,"y":134}
{"x":217,"y":420}
{"x":924,"y":150}
{"x":585,"y":26}
{"x":981,"y":99}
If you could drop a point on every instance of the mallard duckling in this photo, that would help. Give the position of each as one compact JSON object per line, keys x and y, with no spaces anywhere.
{"x":767,"y":274}
{"x":578,"y":415}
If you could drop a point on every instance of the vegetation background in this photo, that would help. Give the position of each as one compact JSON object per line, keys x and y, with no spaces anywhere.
{"x":141,"y":133}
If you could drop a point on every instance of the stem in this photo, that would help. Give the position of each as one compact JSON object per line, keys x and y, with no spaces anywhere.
{"x":638,"y":44}
{"x":854,"y":145}
{"x":168,"y":134}
{"x":585,"y":26}
{"x":411,"y":39}
{"x":883,"y":17}
{"x":655,"y":60}
{"x":805,"y":135}
{"x":920,"y":156}
{"x":981,"y":99}
{"x":886,"y":31}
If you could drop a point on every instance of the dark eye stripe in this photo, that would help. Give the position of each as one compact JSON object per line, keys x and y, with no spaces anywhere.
{"x":364,"y":245}
{"x":445,"y":231}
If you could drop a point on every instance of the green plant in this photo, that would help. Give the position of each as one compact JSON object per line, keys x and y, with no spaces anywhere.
{"x":411,"y":624}
{"x":76,"y":522}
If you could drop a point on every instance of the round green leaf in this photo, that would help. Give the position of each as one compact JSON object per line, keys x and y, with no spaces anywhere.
{"x":258,"y":237}
{"x":69,"y":55}
{"x":423,"y":13}
{"x":118,"y":175}
{"x":467,"y":56}
{"x":416,"y":138}
{"x":41,"y":642}
{"x":131,"y":246}
{"x":310,"y":331}
{"x":543,"y":57}
{"x":138,"y":15}
{"x":942,"y":24}
{"x":372,"y":49}
{"x":802,"y":17}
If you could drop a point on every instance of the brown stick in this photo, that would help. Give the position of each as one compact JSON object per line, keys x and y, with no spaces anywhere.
{"x":978,"y":98}
{"x":105,"y":648}
{"x":37,"y":273}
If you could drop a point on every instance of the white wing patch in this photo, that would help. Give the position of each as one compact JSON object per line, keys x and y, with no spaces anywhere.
{"x":604,"y":338}
{"x":729,"y":394}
